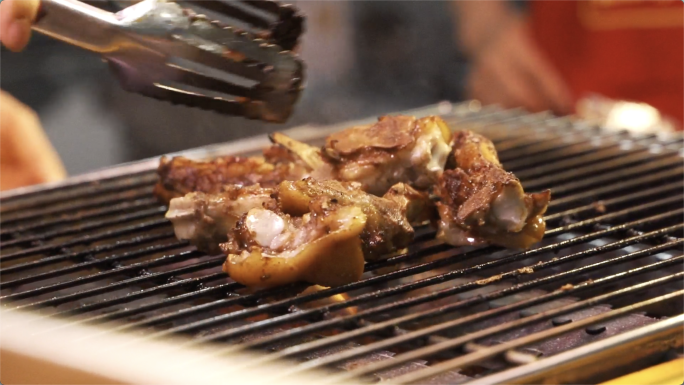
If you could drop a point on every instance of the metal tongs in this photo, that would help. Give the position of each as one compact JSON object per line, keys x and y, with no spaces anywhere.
{"x":161,"y":49}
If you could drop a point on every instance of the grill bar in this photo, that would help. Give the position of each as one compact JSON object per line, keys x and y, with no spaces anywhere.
{"x":478,"y":317}
{"x":581,"y":157}
{"x":137,"y":241}
{"x":127,"y":195}
{"x":511,"y":148}
{"x":461,"y":342}
{"x":188,"y":282}
{"x":118,"y":271}
{"x":670,"y":187}
{"x":552,"y":150}
{"x":65,"y":194}
{"x":86,"y":239}
{"x":107,"y":261}
{"x":63,"y":220}
{"x":672,"y":160}
{"x":87,"y":226}
{"x":506,"y":346}
{"x":139,"y":268}
{"x":596,"y":168}
{"x":202,"y":292}
{"x":415,"y":317}
{"x":226,"y":302}
{"x":319,"y":312}
{"x":674,"y":173}
{"x":605,"y":155}
{"x":98,"y":251}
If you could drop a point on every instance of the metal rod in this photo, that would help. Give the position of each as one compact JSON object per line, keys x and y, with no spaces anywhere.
{"x":126,"y":283}
{"x":628,"y":183}
{"x":162,"y":222}
{"x":470,"y":319}
{"x":554,"y":150}
{"x":188,"y":282}
{"x":596,"y":168}
{"x":481,"y":355}
{"x":670,"y":187}
{"x":435,"y":296}
{"x":451,"y":259}
{"x":131,"y":269}
{"x":135,"y":205}
{"x":201,"y":292}
{"x":67,"y":193}
{"x":604,"y":154}
{"x":106,"y":200}
{"x":617,"y":175}
{"x":88,"y":226}
{"x":136,"y":241}
{"x":110,"y":262}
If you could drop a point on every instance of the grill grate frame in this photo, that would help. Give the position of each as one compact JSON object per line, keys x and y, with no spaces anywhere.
{"x":99,"y":250}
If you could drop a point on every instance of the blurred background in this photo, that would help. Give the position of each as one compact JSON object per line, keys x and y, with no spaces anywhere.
{"x":617,"y":63}
{"x":363,"y":58}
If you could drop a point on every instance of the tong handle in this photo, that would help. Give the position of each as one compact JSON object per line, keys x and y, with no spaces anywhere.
{"x":78,"y":23}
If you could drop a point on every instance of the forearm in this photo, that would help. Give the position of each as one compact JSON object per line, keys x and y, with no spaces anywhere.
{"x":479,"y":21}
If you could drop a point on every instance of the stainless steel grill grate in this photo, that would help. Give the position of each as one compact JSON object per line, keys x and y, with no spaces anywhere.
{"x":610,"y":265}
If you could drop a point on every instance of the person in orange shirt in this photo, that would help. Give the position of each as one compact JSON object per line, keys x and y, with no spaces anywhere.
{"x":26,"y":154}
{"x":560,"y":51}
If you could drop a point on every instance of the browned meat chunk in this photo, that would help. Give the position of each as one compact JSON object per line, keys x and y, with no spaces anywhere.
{"x":481,"y":202}
{"x":180,"y":176}
{"x":396,"y":149}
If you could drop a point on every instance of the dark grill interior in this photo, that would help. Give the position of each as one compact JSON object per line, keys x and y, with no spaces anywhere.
{"x":611,"y":262}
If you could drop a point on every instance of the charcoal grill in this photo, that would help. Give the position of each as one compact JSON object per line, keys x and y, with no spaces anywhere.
{"x":600,"y":297}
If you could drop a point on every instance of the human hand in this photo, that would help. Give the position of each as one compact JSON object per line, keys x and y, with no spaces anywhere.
{"x":26,"y":155}
{"x":510,"y":70}
{"x":16,"y":17}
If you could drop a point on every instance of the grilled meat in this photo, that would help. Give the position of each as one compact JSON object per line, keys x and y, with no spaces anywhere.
{"x":320,"y":232}
{"x":387,"y":227}
{"x":302,"y":213}
{"x":269,"y":248}
{"x":482,"y":203}
{"x":205,"y":219}
{"x":180,"y":176}
{"x":396,"y":149}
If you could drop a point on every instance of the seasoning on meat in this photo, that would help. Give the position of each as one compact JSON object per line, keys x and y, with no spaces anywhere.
{"x":482,"y":203}
{"x":320,"y":232}
{"x":395,"y":149}
{"x":180,"y":176}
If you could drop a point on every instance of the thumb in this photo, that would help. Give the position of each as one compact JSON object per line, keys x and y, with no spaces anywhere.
{"x":16,"y":18}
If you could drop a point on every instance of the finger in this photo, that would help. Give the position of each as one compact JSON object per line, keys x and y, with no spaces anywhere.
{"x":483,"y":87}
{"x":490,"y":89}
{"x":548,"y":81}
{"x":24,"y":147}
{"x":15,"y":177}
{"x":518,"y":89}
{"x":16,"y":18}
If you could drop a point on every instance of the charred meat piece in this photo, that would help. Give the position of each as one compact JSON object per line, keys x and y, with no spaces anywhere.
{"x":180,"y":176}
{"x":205,"y":219}
{"x":269,"y":248}
{"x":418,"y":205}
{"x":321,"y":232}
{"x":482,"y":203}
{"x":395,"y":149}
{"x":387,"y":227}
